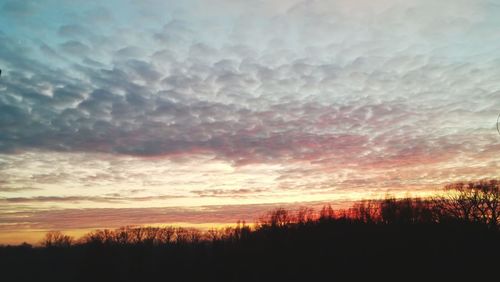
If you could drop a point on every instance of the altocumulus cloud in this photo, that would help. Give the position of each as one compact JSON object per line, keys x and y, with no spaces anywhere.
{"x":342,"y":86}
{"x":332,"y":78}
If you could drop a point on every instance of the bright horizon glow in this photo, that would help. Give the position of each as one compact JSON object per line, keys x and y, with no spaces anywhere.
{"x":201,"y":112}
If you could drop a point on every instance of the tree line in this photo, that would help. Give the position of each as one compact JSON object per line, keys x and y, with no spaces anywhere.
{"x":454,"y":235}
{"x":464,"y":203}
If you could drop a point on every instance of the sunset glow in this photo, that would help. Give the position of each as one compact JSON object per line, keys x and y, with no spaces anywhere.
{"x":201,"y":113}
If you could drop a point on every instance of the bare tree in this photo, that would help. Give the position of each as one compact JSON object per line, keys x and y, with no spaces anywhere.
{"x":166,"y":235}
{"x":326,"y":213}
{"x":278,"y":218}
{"x":304,"y":215}
{"x":472,"y":202}
{"x":55,"y":239}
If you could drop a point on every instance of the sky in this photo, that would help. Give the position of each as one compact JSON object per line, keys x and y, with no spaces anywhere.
{"x":125,"y":112}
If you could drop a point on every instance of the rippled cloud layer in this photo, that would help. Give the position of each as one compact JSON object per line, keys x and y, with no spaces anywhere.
{"x":187,"y":103}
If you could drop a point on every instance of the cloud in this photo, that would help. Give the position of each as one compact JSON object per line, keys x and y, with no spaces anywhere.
{"x":233,"y":193}
{"x":273,"y":99}
{"x":19,"y":8}
{"x":68,"y":219}
{"x":122,"y":116}
{"x":16,"y":190}
{"x":73,"y":31}
{"x":74,"y":47}
{"x":53,"y":199}
{"x":77,"y":199}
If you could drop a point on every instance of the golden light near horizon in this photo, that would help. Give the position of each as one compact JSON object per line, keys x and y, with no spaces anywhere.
{"x":168,"y":112}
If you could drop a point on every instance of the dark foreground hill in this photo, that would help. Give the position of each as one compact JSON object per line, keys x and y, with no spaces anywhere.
{"x":406,"y":239}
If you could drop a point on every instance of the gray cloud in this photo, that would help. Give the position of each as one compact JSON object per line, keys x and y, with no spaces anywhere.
{"x":77,"y":199}
{"x":123,"y":116}
{"x":19,"y":8}
{"x":73,"y":31}
{"x":75,"y":47}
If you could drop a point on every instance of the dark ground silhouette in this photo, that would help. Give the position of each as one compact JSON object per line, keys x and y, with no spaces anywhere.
{"x":456,"y":236}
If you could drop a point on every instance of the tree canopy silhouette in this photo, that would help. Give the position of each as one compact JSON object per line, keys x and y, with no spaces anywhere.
{"x":456,"y":233}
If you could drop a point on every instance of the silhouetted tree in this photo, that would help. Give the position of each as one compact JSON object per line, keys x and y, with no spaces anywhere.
{"x":326,"y":213}
{"x":166,"y":235}
{"x":365,"y":211}
{"x":477,"y":202}
{"x":404,"y":234}
{"x":305,"y":215}
{"x":55,"y":239}
{"x":277,"y":218}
